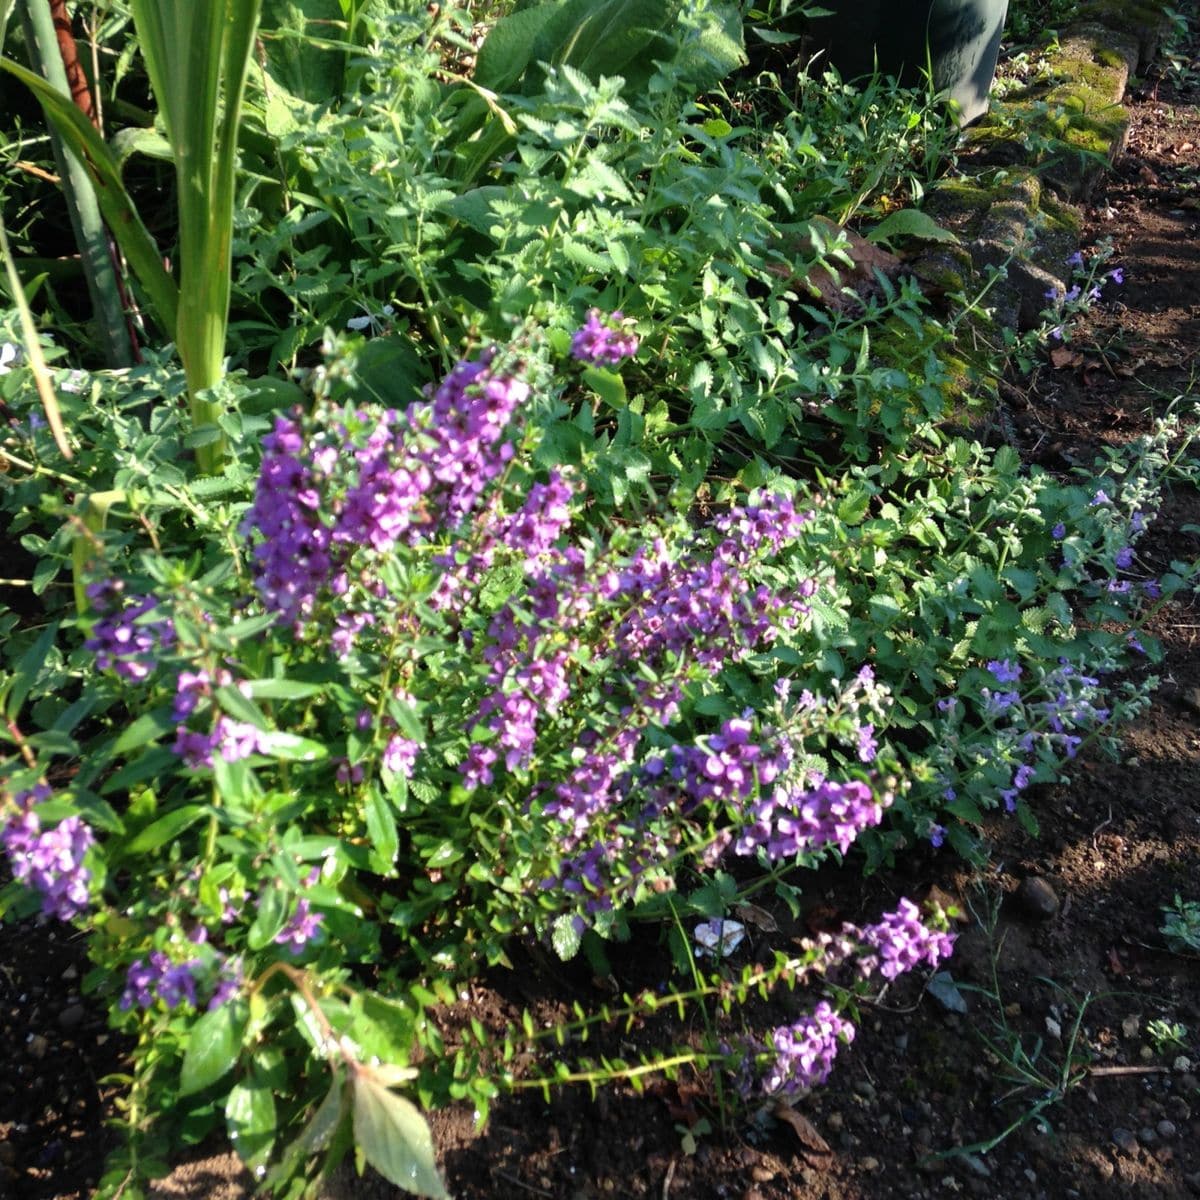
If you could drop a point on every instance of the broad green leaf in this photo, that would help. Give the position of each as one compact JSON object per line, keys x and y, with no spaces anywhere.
{"x":273,"y":905}
{"x":608,"y":385}
{"x":910,"y":222}
{"x":393,"y":1136}
{"x":566,"y":937}
{"x":149,"y":727}
{"x":165,"y":829}
{"x":283,"y":689}
{"x":508,"y":48}
{"x":213,"y":1047}
{"x":381,"y":828}
{"x":290,"y":747}
{"x":250,"y":1119}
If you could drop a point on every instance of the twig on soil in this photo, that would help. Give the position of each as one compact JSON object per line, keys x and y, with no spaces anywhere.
{"x":521,"y":1183}
{"x":1107,"y":821}
{"x":670,"y":1175}
{"x":1128,"y":1070}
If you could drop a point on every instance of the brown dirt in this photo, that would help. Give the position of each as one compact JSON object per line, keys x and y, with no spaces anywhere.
{"x":1117,"y":845}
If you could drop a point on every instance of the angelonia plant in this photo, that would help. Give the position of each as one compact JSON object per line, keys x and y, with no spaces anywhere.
{"x":419,"y":708}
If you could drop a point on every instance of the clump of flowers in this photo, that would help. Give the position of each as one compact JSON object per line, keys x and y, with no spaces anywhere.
{"x":51,"y":861}
{"x":603,"y":341}
{"x":802,"y":1054}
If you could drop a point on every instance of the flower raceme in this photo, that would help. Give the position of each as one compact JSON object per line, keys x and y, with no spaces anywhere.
{"x":49,"y":860}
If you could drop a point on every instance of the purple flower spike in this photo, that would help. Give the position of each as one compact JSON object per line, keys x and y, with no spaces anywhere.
{"x":303,"y":928}
{"x":602,"y":341}
{"x":804,"y":1052}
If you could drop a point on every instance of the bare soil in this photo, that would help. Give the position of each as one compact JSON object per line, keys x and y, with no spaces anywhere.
{"x":918,"y":1085}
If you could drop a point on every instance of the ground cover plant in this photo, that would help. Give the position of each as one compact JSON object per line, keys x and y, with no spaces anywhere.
{"x":581,"y":572}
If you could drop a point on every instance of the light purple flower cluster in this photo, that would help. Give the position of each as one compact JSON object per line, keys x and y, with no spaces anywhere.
{"x":804,"y":1052}
{"x":790,"y":822}
{"x":159,"y":978}
{"x":726,"y":767}
{"x":303,"y":928}
{"x":230,"y":740}
{"x":49,"y":860}
{"x":603,"y":341}
{"x":124,"y":639}
{"x":901,"y":941}
{"x":373,"y":480}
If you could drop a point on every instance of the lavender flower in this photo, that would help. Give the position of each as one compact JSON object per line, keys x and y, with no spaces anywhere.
{"x":160,"y":979}
{"x":804,"y":1052}
{"x":49,"y":861}
{"x":1004,"y":671}
{"x":303,"y":928}
{"x":603,"y":340}
{"x":122,"y":640}
{"x":901,"y":941}
{"x":788,"y":823}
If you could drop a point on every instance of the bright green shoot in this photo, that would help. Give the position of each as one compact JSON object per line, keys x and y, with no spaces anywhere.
{"x":197,"y":53}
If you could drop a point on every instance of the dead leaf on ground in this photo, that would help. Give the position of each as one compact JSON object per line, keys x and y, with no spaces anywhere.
{"x":812,"y":1145}
{"x":1064,"y":356}
{"x":838,"y":286}
{"x":752,"y":914}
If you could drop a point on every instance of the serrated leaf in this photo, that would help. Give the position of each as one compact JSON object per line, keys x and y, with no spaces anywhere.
{"x":213,"y":1047}
{"x":393,"y":1136}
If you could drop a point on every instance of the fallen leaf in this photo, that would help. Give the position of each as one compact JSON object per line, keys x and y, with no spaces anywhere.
{"x":812,"y":1145}
{"x":758,"y":917}
{"x":1064,"y":356}
{"x":1114,"y":963}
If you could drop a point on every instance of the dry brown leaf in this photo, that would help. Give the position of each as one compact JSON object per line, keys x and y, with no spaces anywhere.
{"x":812,"y":1145}
{"x":758,"y":917}
{"x":1064,"y":356}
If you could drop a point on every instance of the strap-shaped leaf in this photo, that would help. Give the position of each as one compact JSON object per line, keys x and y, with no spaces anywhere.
{"x":119,"y":212}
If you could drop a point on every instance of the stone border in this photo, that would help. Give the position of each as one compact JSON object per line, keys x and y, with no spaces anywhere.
{"x":1020,"y":216}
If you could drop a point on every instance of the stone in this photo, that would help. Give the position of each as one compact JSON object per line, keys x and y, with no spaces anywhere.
{"x":1190,"y":700}
{"x":835,"y":1121}
{"x":72,"y":1016}
{"x":1036,"y":898}
{"x":1147,"y":1136}
{"x":1126,"y":1141}
{"x":870,"y":1164}
{"x":1165,"y":1129}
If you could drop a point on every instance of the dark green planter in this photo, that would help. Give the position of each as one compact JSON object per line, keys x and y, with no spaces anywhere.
{"x":959,"y":39}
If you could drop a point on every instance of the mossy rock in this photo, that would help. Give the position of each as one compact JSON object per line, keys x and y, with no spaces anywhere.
{"x":1143,"y":20}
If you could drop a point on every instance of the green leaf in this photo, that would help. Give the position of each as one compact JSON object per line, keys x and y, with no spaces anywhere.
{"x":213,"y":1047}
{"x":250,"y":1119}
{"x":165,"y":829}
{"x":28,"y":669}
{"x":283,"y":689}
{"x":565,"y":937}
{"x":507,"y":50}
{"x":149,"y":727}
{"x":394,"y":1137}
{"x":910,"y":222}
{"x":608,"y":385}
{"x":273,"y":905}
{"x":290,"y":747}
{"x":381,"y":828}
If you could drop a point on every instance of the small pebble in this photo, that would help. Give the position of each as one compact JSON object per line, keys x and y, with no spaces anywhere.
{"x":870,"y":1164}
{"x":835,"y":1121}
{"x":865,"y":1089}
{"x":1125,"y":1141}
{"x":1147,"y":1136}
{"x":1036,"y":898}
{"x":1165,"y":1129}
{"x":71,"y":1016}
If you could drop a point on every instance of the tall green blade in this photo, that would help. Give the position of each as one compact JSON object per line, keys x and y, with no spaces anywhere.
{"x":197,"y":53}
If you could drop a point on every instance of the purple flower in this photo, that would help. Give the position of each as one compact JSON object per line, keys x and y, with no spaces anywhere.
{"x":603,"y":340}
{"x":49,"y":861}
{"x":1059,"y":532}
{"x":1076,"y":259}
{"x":400,"y":755}
{"x":1004,"y":670}
{"x":937,"y":835}
{"x":867,"y":746}
{"x":1073,"y":294}
{"x":123,"y":639}
{"x":804,"y":1052}
{"x":1117,"y":275}
{"x":1023,"y":777}
{"x":1124,"y":558}
{"x":788,"y":823}
{"x":901,"y":941}
{"x":303,"y":927}
{"x":160,"y":979}
{"x":1101,"y":497}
